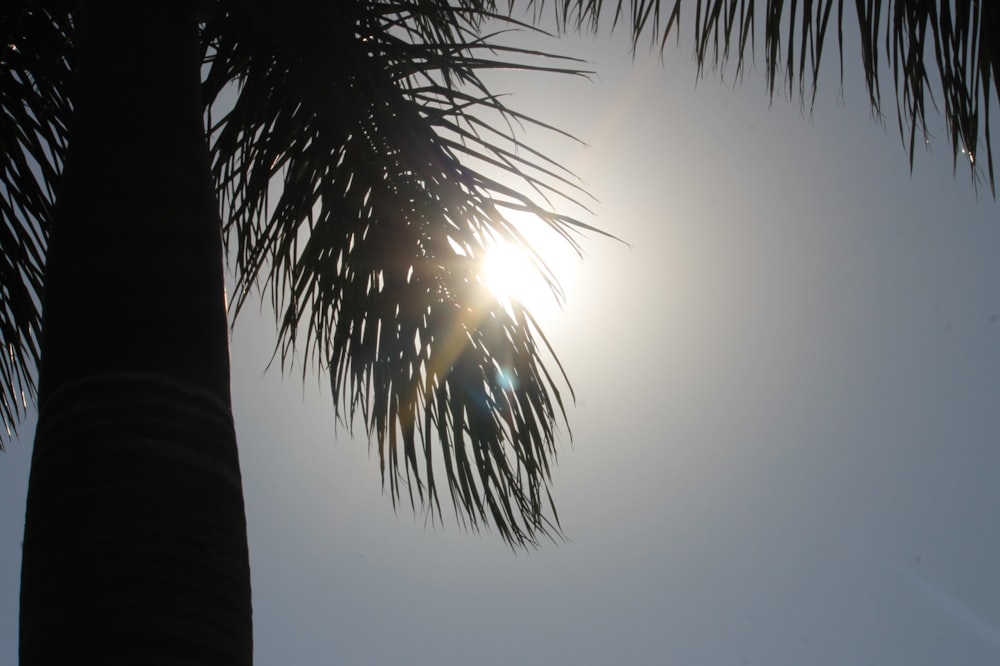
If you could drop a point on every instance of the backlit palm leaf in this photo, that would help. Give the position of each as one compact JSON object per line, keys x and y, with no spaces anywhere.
{"x":372,"y":247}
{"x":960,"y":39}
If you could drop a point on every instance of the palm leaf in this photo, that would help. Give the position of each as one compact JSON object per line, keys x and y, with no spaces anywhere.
{"x":960,"y":39}
{"x":35,"y":73}
{"x":367,"y":135}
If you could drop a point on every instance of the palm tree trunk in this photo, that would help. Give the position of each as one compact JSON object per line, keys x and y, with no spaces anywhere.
{"x":135,"y":544}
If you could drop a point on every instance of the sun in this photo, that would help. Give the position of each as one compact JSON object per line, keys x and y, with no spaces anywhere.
{"x":508,"y":271}
{"x":511,"y":273}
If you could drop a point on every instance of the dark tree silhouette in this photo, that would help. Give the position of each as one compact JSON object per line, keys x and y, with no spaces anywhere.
{"x":352,"y":168}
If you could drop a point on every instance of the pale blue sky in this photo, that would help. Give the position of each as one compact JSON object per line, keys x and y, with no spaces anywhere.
{"x":787,"y":435}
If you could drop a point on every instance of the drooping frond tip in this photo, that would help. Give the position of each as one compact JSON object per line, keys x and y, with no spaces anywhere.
{"x":392,"y":180}
{"x":943,"y":55}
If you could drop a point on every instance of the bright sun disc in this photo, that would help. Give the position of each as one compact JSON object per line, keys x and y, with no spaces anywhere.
{"x":510,"y":273}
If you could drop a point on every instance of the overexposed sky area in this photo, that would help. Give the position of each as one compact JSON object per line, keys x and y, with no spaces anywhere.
{"x":787,"y":436}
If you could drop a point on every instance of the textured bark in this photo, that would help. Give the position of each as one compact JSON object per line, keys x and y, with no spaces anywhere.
{"x":135,"y":536}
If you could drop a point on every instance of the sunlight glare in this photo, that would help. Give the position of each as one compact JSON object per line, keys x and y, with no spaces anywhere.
{"x":509,"y":272}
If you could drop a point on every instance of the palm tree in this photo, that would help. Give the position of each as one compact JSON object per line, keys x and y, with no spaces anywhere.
{"x":135,"y":537}
{"x":374,"y":121}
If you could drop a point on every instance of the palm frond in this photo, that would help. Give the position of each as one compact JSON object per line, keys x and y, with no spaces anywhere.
{"x":364,"y":119}
{"x":960,"y":39}
{"x":35,"y":77}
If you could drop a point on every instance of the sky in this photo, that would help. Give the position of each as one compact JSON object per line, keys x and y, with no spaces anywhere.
{"x":787,"y":430}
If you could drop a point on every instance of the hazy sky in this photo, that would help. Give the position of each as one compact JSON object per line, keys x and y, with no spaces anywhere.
{"x":787,"y":437}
